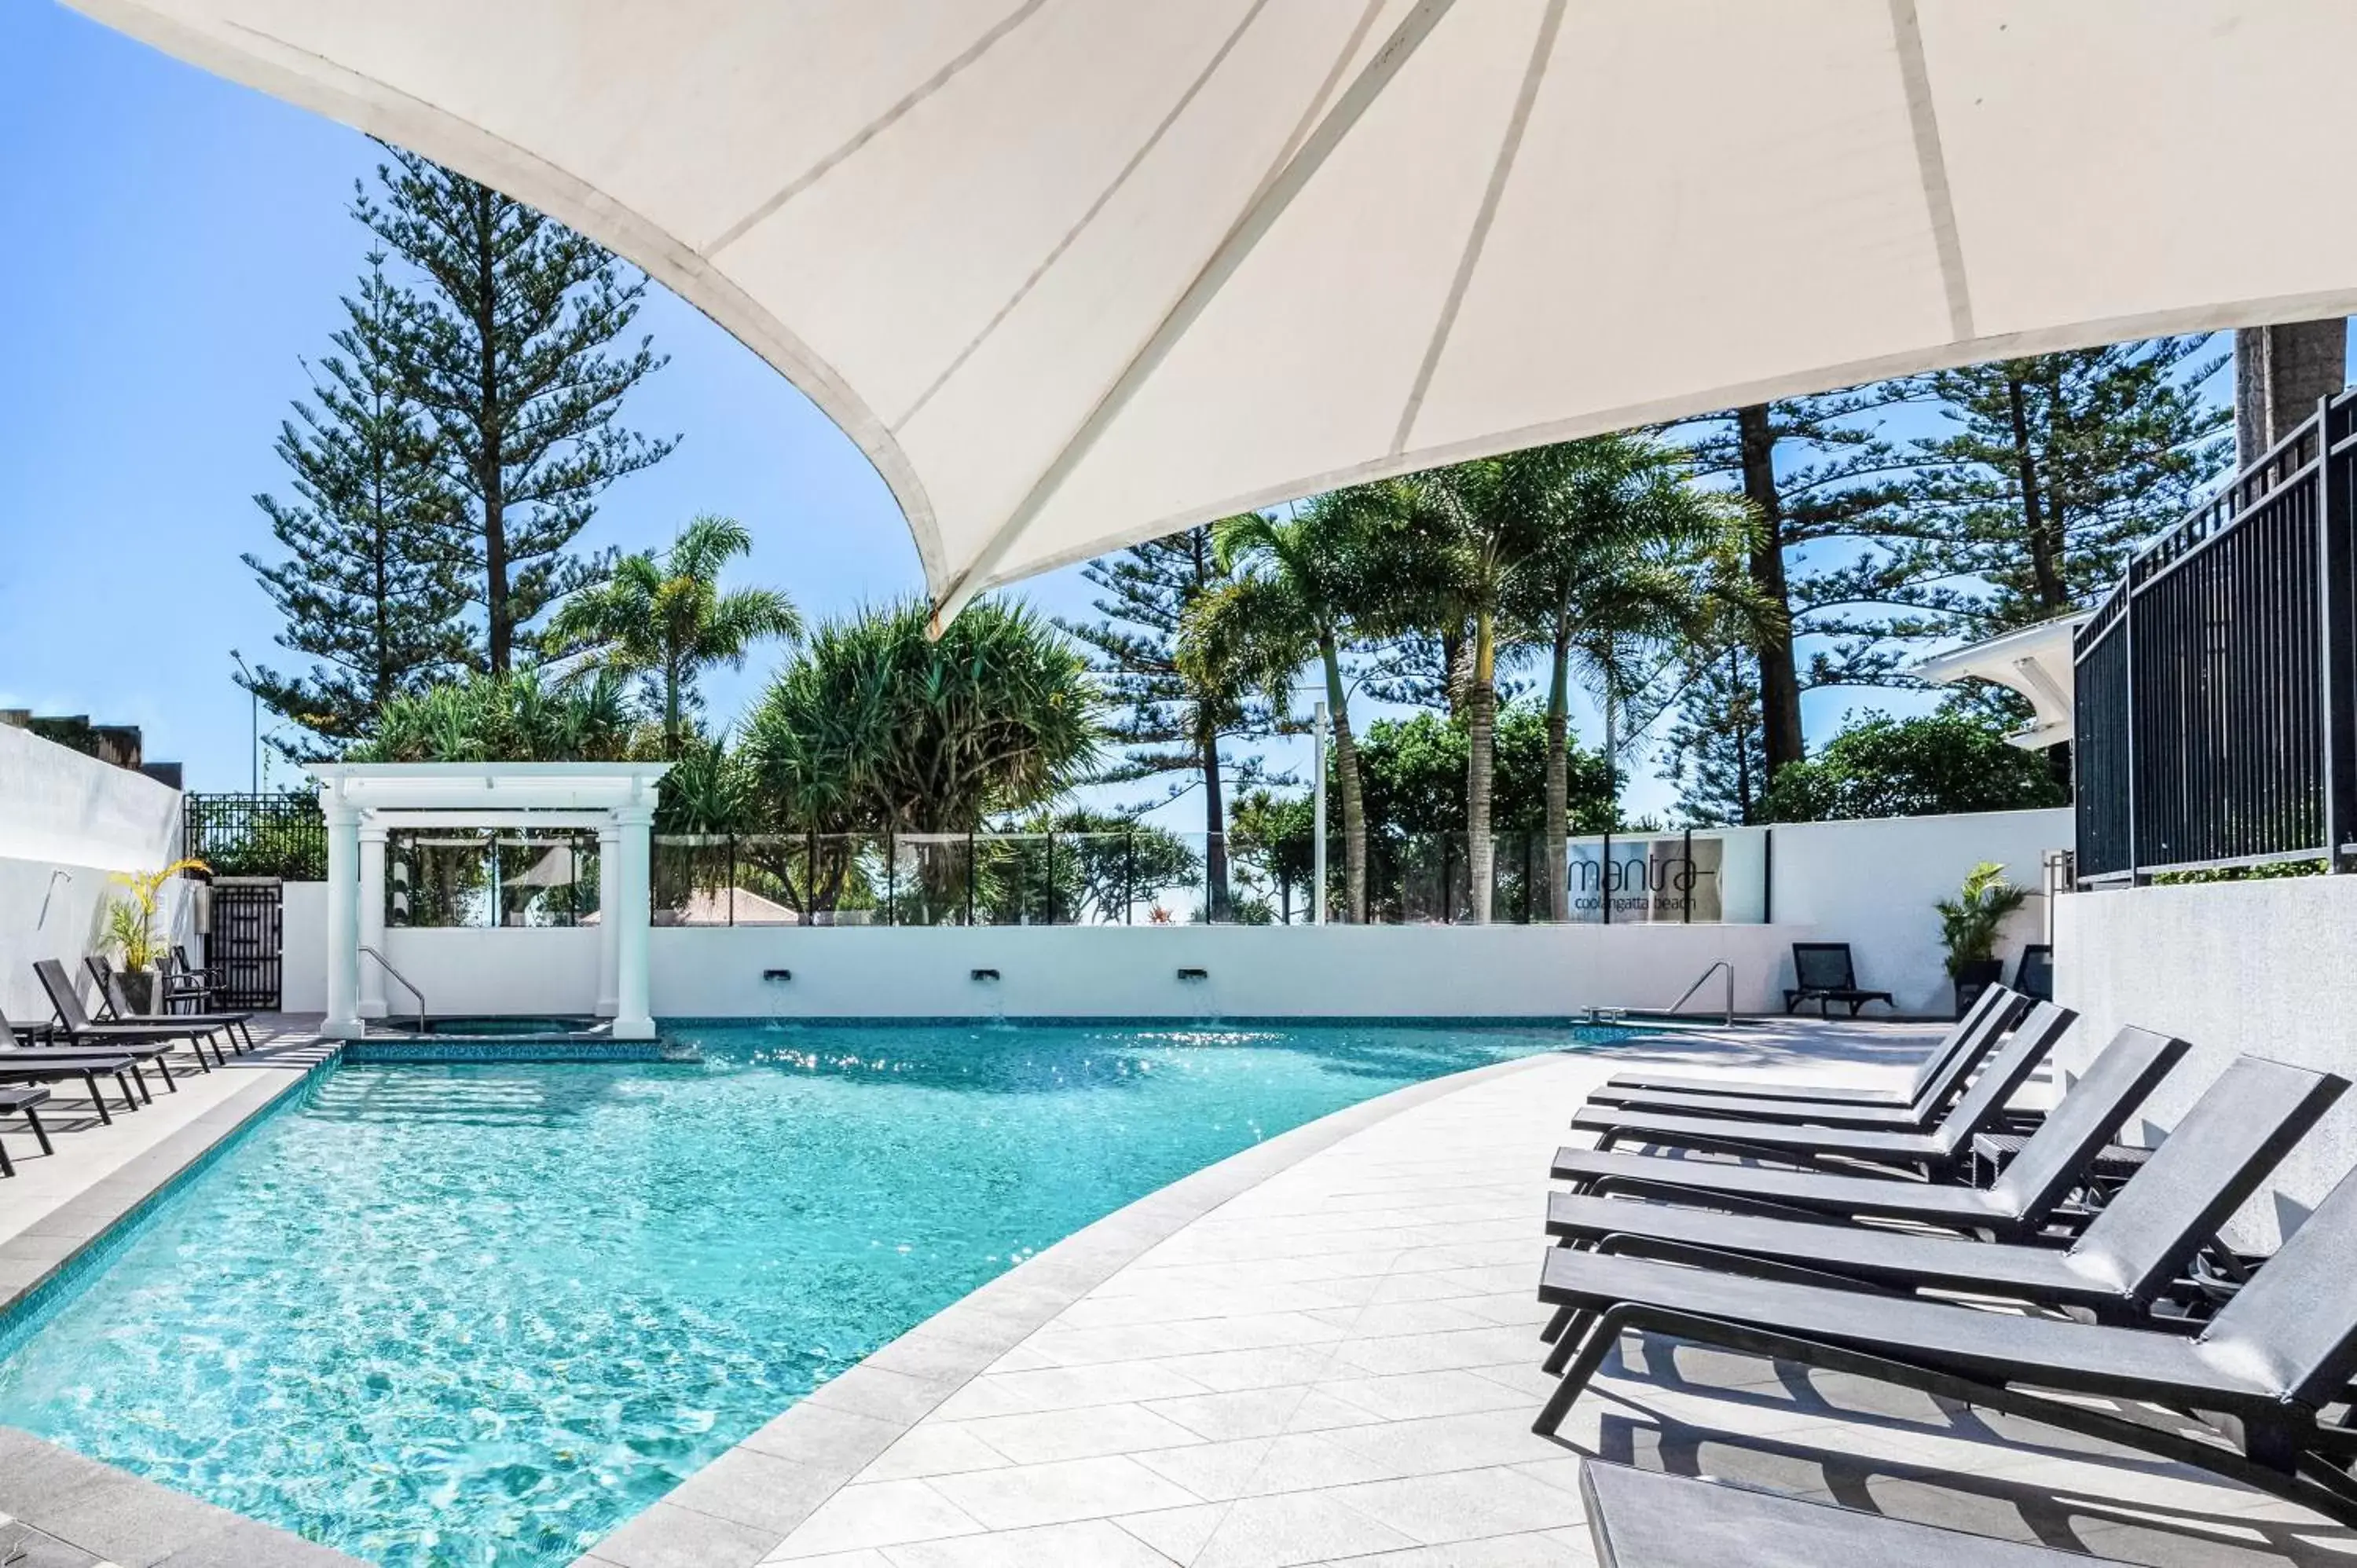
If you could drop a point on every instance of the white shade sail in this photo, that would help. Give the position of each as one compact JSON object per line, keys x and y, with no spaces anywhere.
{"x":1078,"y":272}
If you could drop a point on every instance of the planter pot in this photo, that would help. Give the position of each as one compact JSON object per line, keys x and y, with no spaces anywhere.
{"x":138,"y":988}
{"x":1977,"y":977}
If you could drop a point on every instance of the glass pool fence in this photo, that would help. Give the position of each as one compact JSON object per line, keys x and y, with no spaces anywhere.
{"x":1150,"y":876}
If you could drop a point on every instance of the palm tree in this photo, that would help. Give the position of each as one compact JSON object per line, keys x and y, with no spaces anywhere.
{"x":1463,"y":536}
{"x":665,"y":618}
{"x":1298,"y":590}
{"x":1623,"y":555}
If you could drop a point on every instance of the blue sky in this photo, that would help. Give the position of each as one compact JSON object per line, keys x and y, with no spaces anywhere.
{"x":176,"y":249}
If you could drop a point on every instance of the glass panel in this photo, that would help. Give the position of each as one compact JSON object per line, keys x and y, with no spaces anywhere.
{"x":490,"y":876}
{"x":438,"y":876}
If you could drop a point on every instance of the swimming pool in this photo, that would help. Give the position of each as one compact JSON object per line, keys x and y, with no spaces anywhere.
{"x":483,"y":1313}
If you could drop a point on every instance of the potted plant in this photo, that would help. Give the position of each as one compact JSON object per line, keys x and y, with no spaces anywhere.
{"x":1968,"y":925}
{"x":131,"y":931}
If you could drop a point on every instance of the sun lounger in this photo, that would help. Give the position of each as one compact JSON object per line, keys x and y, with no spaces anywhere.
{"x":116,"y":1008}
{"x":2034,"y":975}
{"x":1823,"y":972}
{"x":20,"y":1102}
{"x":184,"y":982}
{"x":118,"y":1060}
{"x":2116,"y":1269}
{"x":1645,"y":1518}
{"x":2256,"y":1378}
{"x":78,"y":1027}
{"x":1935,"y":1151}
{"x":2022,"y":1200}
{"x":1936,"y":1081}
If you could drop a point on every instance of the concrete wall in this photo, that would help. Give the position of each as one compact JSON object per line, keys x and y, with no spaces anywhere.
{"x":1253,"y":970}
{"x":66,"y":821}
{"x":2265,"y":968}
{"x":1872,"y":885}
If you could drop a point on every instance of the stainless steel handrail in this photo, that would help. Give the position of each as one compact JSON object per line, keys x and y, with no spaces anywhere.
{"x":1701,"y":979}
{"x":386,"y":964}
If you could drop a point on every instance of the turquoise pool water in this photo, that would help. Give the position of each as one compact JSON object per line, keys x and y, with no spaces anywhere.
{"x":481,"y":1314}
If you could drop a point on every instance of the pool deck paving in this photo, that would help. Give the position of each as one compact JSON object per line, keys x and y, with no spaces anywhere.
{"x":1323,"y":1349}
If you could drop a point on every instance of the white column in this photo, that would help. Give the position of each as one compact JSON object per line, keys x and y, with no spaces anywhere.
{"x":371,"y":918}
{"x":343,"y":919}
{"x":632,"y":894}
{"x":609,"y":926}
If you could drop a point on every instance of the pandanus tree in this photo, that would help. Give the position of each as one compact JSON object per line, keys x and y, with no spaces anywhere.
{"x":666,"y":618}
{"x":1300,"y":590}
{"x":875,"y":727}
{"x":1615,"y":553}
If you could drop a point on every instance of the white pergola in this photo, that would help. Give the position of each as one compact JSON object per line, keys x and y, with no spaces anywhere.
{"x":1078,"y":272}
{"x":363,"y":801}
{"x":2034,"y":661}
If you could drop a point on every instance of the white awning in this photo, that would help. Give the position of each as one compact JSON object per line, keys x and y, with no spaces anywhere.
{"x":2035,"y":661}
{"x":1078,"y":272}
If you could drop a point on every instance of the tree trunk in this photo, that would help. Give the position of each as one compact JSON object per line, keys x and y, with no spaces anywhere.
{"x":1780,"y":675}
{"x":1215,"y":830}
{"x":490,"y":476}
{"x":1558,"y":775}
{"x":2279,"y":374}
{"x":2044,"y":539}
{"x":1747,"y":792}
{"x":1481,"y":709}
{"x":670,"y":712}
{"x":1346,"y":778}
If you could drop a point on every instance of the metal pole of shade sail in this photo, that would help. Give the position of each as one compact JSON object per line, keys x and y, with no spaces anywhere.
{"x":1318,"y":838}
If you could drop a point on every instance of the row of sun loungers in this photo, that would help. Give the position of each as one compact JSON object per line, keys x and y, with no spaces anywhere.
{"x":1826,"y":1228}
{"x":74,"y":1046}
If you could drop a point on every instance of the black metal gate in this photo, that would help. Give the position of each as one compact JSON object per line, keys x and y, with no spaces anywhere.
{"x":243,"y":951}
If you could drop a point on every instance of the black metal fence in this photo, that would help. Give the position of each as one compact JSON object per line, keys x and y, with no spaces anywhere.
{"x":281,"y":835}
{"x":2214,"y":720}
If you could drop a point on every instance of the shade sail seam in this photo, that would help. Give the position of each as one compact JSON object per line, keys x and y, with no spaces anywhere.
{"x":875,"y":128}
{"x":1931,"y":164}
{"x":1071,"y":235}
{"x":1501,"y":170}
{"x":1242,"y":237}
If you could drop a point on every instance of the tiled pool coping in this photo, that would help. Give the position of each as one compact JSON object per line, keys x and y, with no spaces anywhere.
{"x":735,"y":1510}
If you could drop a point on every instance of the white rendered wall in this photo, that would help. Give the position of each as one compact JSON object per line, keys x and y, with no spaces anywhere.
{"x":2265,"y":968}
{"x":303,"y":947}
{"x":1872,"y":885}
{"x":66,"y":821}
{"x":500,"y":970}
{"x":1396,"y":972}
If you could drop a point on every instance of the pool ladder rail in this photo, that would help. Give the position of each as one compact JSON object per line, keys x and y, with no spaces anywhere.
{"x":1721,"y":967}
{"x":407,"y":985}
